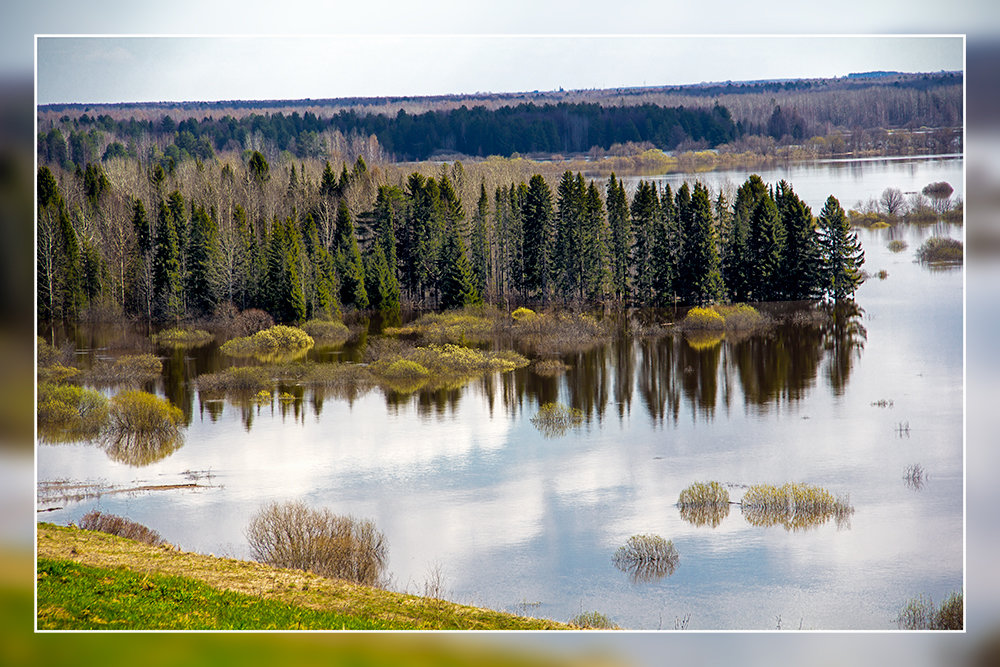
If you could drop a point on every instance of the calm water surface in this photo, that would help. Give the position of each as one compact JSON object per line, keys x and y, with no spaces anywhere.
{"x":462,"y":481}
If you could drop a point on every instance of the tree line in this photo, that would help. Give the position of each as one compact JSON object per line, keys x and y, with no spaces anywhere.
{"x":145,"y":249}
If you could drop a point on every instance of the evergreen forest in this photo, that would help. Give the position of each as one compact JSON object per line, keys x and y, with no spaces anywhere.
{"x":307,"y":240}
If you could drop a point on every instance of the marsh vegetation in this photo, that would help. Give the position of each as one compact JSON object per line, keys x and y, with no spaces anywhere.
{"x":920,"y":613}
{"x":556,"y":419}
{"x":647,"y":558}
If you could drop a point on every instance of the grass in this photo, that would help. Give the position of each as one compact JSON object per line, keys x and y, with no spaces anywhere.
{"x":647,"y":558}
{"x":940,"y":249}
{"x":327,"y":332}
{"x":279,"y":343}
{"x":704,"y":504}
{"x":555,"y":419}
{"x":181,"y":338}
{"x":592,"y":620}
{"x":343,"y":604}
{"x":794,"y":506}
{"x":919,"y":613}
{"x":128,"y":369}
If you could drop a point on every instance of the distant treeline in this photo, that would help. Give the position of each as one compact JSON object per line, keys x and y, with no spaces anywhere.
{"x":524,"y":128}
{"x":149,"y":244}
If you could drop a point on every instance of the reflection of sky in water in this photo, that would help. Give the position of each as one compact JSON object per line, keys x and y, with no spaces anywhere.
{"x":514,"y":517}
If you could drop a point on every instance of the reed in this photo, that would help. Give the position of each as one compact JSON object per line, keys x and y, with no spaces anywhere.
{"x":897,"y":245}
{"x":235,"y":380}
{"x":592,"y":620}
{"x":129,"y":369}
{"x":793,"y":505}
{"x":704,"y":504}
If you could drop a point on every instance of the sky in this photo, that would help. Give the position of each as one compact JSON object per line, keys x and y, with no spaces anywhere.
{"x":107,"y":69}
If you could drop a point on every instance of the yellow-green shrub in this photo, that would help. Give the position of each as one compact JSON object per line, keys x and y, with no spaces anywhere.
{"x":69,"y":412}
{"x":327,"y":332}
{"x":140,"y":413}
{"x":177,"y":337}
{"x":703,"y":318}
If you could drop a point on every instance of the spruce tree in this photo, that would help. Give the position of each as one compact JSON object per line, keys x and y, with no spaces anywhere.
{"x":765,"y":248}
{"x":167,"y":279}
{"x":538,"y":225}
{"x":456,"y":283}
{"x":699,"y":279}
{"x":736,"y":262}
{"x":800,"y":274}
{"x":620,"y":227}
{"x":568,"y":252}
{"x":348,"y":261}
{"x":594,"y":262}
{"x":666,"y":240}
{"x":203,"y":254}
{"x":645,"y":218}
{"x":480,"y":246}
{"x":842,"y":256}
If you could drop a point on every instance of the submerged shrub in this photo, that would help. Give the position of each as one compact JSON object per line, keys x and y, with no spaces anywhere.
{"x":120,"y":526}
{"x":794,"y":506}
{"x":919,"y":613}
{"x":522,"y":314}
{"x":131,"y":369}
{"x":729,"y":317}
{"x":69,"y":412}
{"x":327,"y":332}
{"x":703,"y":318}
{"x":647,"y":557}
{"x":470,"y":325}
{"x":940,"y":249}
{"x":897,"y":245}
{"x":278,"y":343}
{"x":592,"y":620}
{"x":556,"y":333}
{"x":405,"y":368}
{"x":554,"y":419}
{"x":292,"y":535}
{"x":177,"y":337}
{"x":139,"y":412}
{"x":235,"y":380}
{"x":704,"y":504}
{"x":251,"y":321}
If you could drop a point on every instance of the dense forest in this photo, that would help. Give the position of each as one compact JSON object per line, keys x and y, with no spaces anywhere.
{"x":849,"y":113}
{"x":309,"y":241}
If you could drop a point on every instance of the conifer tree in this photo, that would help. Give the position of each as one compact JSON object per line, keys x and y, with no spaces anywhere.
{"x":645,"y":217}
{"x":456,"y":283}
{"x":328,"y":183}
{"x":167,"y":279}
{"x":842,"y":256}
{"x":620,"y":227}
{"x":480,"y":246}
{"x":666,"y":241}
{"x":202,"y":276}
{"x":568,"y":254}
{"x":538,"y":225}
{"x":736,"y":262}
{"x":765,"y":247}
{"x":594,"y":255}
{"x":698,"y":278}
{"x":800,"y":267}
{"x":348,"y":261}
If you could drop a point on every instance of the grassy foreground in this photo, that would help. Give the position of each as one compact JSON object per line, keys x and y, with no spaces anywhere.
{"x":90,"y":580}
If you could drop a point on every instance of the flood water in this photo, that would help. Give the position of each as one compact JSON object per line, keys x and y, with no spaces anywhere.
{"x":461,"y":481}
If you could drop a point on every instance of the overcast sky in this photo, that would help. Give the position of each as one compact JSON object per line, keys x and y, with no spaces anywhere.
{"x":155,"y":68}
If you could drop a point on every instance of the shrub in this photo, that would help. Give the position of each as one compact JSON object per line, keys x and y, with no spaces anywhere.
{"x":704,"y":504}
{"x":703,"y":318}
{"x":523,"y":314}
{"x":897,"y":245}
{"x":794,"y":506}
{"x":919,"y":613}
{"x":553,"y":334}
{"x":176,"y":337}
{"x":68,"y":412}
{"x":140,"y":413}
{"x":127,"y":369}
{"x":275,"y":344}
{"x":647,"y":557}
{"x":120,"y":526}
{"x":471,"y":325}
{"x":405,"y":369}
{"x":554,"y":419}
{"x":237,"y":380}
{"x":940,"y":249}
{"x":327,"y":332}
{"x":292,"y":535}
{"x":250,"y":322}
{"x":592,"y":620}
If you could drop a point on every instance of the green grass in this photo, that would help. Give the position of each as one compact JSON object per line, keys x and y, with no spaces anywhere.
{"x":92,"y":579}
{"x":75,"y":596}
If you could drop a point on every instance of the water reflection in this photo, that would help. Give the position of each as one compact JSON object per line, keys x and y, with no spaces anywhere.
{"x":710,"y":515}
{"x":140,"y":449}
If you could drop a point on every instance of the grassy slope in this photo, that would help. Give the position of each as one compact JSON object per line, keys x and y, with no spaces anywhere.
{"x":165,"y":588}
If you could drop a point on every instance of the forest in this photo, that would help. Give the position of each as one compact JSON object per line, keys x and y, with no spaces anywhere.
{"x":303,"y":241}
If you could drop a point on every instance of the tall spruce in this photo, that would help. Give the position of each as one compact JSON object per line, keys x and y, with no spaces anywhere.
{"x":736,"y":261}
{"x":594,"y":265}
{"x":480,"y":246}
{"x":167,"y":278}
{"x":568,"y":255}
{"x":800,"y":276}
{"x":456,"y":282}
{"x":620,"y":227}
{"x":765,"y":247}
{"x":699,"y":279}
{"x":538,"y":225}
{"x":348,"y":261}
{"x":645,"y":217}
{"x":666,"y":240}
{"x":842,"y":255}
{"x":203,"y":254}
